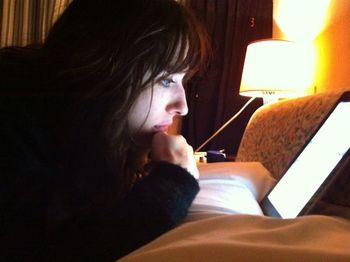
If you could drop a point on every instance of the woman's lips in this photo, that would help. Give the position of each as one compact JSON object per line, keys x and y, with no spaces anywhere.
{"x":161,"y":128}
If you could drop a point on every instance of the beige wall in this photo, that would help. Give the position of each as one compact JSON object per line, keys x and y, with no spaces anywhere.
{"x":335,"y":41}
{"x":332,"y":47}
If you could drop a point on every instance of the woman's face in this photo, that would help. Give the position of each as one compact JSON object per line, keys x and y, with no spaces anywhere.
{"x":154,"y":109}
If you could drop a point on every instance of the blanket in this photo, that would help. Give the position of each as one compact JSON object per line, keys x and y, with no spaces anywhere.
{"x":225,"y":223}
{"x":252,"y":238}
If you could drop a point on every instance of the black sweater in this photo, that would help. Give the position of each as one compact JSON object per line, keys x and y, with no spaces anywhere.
{"x":43,"y":218}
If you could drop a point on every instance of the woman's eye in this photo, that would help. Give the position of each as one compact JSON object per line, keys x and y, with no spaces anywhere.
{"x":166,"y":82}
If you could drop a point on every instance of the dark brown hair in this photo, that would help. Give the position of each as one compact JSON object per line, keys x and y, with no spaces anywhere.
{"x":97,"y":55}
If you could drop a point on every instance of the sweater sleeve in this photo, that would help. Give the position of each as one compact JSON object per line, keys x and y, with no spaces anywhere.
{"x":28,"y":188}
{"x":155,"y":205}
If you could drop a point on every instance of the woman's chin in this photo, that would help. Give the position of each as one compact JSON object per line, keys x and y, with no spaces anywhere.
{"x":144,"y":140}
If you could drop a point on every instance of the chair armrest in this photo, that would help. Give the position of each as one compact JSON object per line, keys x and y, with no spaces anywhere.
{"x":277,"y":132}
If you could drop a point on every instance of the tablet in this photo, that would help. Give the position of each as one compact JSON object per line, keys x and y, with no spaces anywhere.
{"x":320,"y":162}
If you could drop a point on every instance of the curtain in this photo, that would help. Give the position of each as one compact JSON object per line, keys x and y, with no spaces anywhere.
{"x":24,"y":22}
{"x":213,"y":97}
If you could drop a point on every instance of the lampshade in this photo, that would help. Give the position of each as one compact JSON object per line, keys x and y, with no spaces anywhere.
{"x":278,"y":69}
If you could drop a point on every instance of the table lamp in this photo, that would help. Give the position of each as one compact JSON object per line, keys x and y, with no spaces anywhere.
{"x":275,"y":69}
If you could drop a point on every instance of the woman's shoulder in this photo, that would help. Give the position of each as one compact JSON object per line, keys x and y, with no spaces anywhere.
{"x":23,"y":136}
{"x":18,"y":67}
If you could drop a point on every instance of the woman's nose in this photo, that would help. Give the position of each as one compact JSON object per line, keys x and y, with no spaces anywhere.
{"x":178,"y":103}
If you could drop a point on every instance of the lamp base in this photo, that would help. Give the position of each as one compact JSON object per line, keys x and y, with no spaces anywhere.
{"x":267,"y":99}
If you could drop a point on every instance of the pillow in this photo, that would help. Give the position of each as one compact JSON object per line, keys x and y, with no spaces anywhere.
{"x":230,"y":188}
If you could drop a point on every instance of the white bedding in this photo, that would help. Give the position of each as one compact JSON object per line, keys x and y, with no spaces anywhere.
{"x":225,"y":223}
{"x":230,"y":188}
{"x":252,"y":238}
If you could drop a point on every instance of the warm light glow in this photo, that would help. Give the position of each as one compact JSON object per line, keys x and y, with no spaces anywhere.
{"x":301,"y":20}
{"x":323,"y":51}
{"x":278,"y":68}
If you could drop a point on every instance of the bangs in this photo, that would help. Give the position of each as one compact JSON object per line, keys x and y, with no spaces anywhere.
{"x":191,"y":48}
{"x":183,"y":47}
{"x":173,"y":42}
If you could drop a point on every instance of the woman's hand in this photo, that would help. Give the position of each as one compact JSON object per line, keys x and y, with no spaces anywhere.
{"x":174,"y":149}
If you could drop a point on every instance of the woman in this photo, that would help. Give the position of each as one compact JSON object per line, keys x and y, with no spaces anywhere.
{"x":88,"y":171}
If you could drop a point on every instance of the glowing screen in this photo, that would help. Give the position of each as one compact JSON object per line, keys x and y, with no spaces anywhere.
{"x":314,"y":164}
